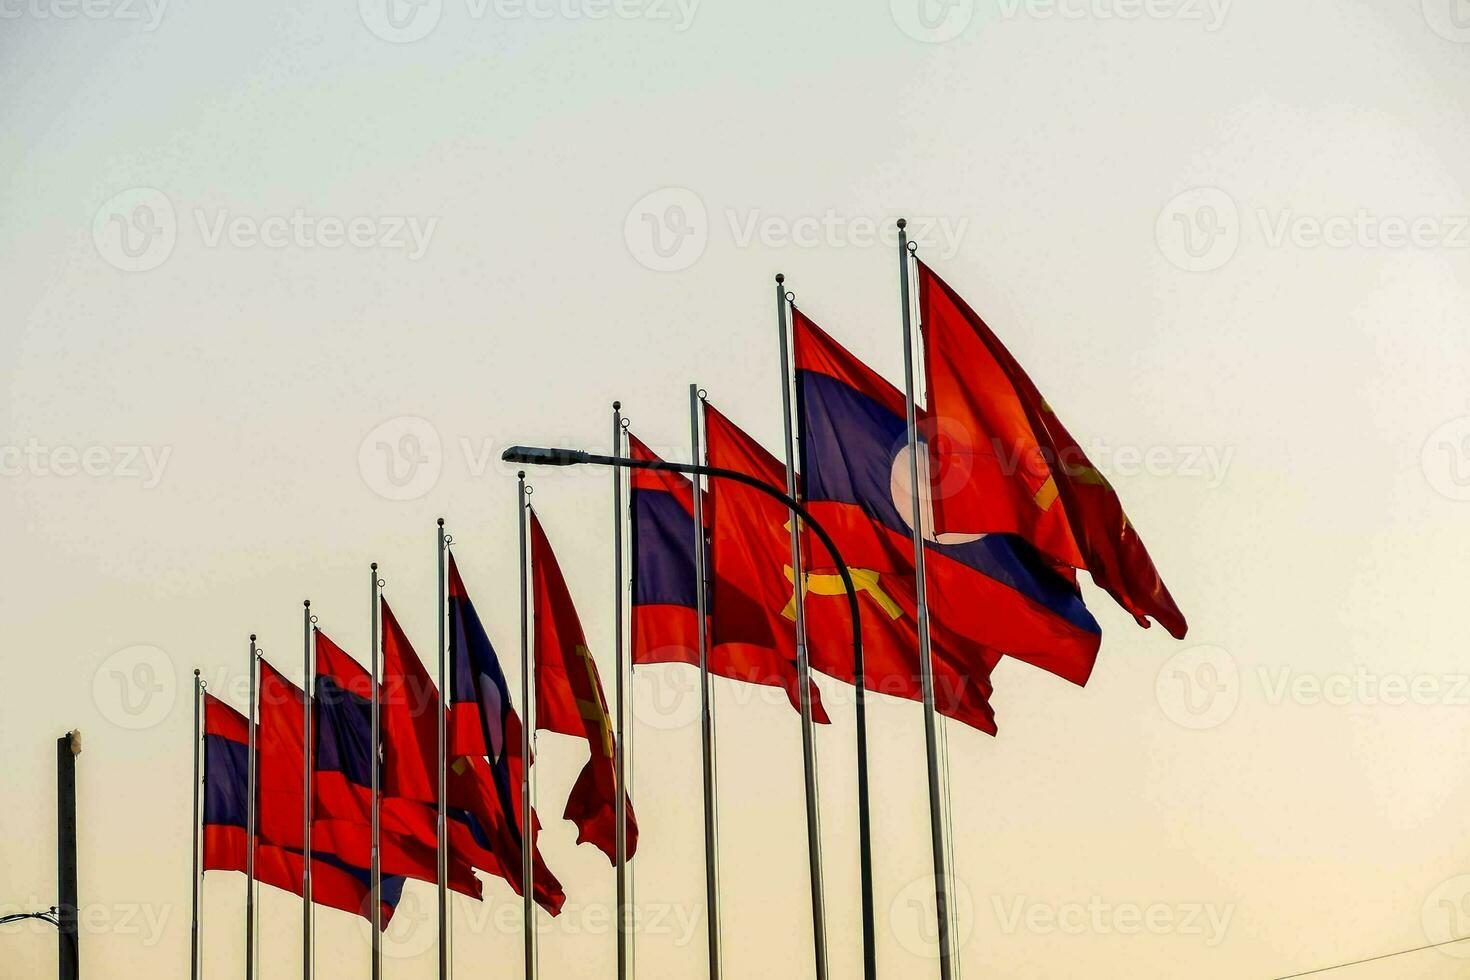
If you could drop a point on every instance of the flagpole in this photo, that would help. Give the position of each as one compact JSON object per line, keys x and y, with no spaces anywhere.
{"x":926,"y":665}
{"x":706,"y":726}
{"x":620,"y":835}
{"x":442,"y":872}
{"x":528,"y":840}
{"x":375,"y":880}
{"x":306,"y":940}
{"x":803,"y":670}
{"x":250,"y":829}
{"x":198,"y":819}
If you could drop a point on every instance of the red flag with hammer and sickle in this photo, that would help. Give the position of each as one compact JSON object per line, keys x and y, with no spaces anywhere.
{"x":569,"y":700}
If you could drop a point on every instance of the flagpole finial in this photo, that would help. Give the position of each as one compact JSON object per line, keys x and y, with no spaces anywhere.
{"x":521,"y":475}
{"x":780,"y":277}
{"x":375,"y":566}
{"x":306,"y":603}
{"x":441,"y":522}
{"x":252,"y":637}
{"x":196,"y":671}
{"x":903,"y":223}
{"x":617,"y":406}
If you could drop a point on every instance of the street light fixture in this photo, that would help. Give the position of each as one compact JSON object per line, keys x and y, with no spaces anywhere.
{"x":544,"y":456}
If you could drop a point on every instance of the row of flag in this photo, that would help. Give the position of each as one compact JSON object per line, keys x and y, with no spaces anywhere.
{"x":1009,"y":509}
{"x":485,"y":774}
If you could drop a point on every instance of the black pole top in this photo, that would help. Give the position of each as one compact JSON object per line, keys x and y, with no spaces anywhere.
{"x":780,"y":277}
{"x":306,"y":603}
{"x":617,"y":406}
{"x":903,"y":222}
{"x":375,"y":566}
{"x":441,"y":522}
{"x":252,"y":637}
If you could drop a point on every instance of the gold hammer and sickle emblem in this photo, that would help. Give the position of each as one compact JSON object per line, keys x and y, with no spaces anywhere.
{"x":863,"y":579}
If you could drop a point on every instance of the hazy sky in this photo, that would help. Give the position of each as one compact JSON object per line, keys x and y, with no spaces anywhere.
{"x":246,"y":247}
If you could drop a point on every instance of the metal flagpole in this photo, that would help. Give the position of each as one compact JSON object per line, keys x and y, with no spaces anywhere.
{"x":926,"y":665}
{"x":442,"y":872}
{"x":198,"y":742}
{"x":706,"y":726}
{"x":375,"y":872}
{"x":620,"y":835}
{"x":803,"y":672}
{"x":306,"y":941}
{"x":250,"y":829}
{"x":528,"y":841}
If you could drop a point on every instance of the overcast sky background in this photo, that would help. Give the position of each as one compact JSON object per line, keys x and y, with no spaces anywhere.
{"x":1229,"y":242}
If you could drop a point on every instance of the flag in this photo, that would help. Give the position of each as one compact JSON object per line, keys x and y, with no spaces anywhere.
{"x":665,"y":615}
{"x":225,"y":831}
{"x":1005,"y":463}
{"x":569,"y":700}
{"x":751,"y":545}
{"x":342,"y":798}
{"x":408,"y":714}
{"x":985,"y":591}
{"x":485,"y":736}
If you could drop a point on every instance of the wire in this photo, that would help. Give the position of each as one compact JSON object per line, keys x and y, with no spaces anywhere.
{"x":1374,"y":959}
{"x":52,"y":916}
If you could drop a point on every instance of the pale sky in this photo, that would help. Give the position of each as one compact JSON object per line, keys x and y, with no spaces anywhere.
{"x":1229,"y":241}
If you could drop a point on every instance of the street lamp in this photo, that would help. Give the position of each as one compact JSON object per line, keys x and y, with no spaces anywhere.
{"x":542,"y":456}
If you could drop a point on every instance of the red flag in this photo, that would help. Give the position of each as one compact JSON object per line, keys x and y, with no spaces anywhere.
{"x":751,"y":547}
{"x":665,"y":615}
{"x":342,"y":782}
{"x":1004,"y":461}
{"x":569,"y":700}
{"x":409,"y":711}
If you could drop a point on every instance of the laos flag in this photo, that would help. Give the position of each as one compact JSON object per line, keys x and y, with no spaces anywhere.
{"x":334,"y":882}
{"x":665,"y":610}
{"x":990,"y":592}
